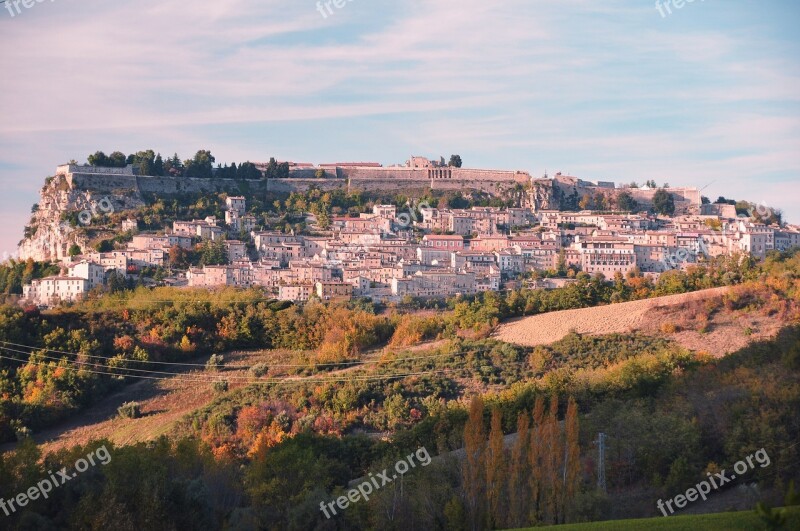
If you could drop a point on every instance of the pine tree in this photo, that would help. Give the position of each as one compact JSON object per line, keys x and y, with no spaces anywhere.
{"x":496,"y":472}
{"x":474,"y":470}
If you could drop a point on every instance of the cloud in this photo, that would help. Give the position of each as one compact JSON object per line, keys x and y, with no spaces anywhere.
{"x":605,"y":88}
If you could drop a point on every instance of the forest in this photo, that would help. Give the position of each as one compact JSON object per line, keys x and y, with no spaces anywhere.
{"x":266,"y":454}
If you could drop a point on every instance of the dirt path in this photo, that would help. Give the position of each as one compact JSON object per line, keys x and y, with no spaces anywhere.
{"x":613,"y":318}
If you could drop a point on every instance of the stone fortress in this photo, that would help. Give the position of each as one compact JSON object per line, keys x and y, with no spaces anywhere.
{"x":417,"y":173}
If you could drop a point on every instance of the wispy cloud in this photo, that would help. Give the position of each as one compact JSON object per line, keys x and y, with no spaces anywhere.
{"x":603,"y":88}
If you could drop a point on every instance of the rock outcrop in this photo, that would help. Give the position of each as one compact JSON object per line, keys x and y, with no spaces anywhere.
{"x":65,"y":215}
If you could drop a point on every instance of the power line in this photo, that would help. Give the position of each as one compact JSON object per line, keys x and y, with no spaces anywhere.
{"x":211,"y":379}
{"x":285,"y":365}
{"x":165,"y":375}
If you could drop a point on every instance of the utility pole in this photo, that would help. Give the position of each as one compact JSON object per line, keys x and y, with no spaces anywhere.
{"x":601,"y":461}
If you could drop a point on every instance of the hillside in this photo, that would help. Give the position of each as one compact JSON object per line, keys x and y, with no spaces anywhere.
{"x":657,"y":316}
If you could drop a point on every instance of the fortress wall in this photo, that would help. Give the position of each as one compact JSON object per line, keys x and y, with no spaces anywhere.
{"x":379,"y":174}
{"x":101,"y":183}
{"x":364,"y":179}
{"x":491,"y":175}
{"x":179,"y":185}
{"x":432,"y":174}
{"x":301,"y":185}
{"x":388,"y":184}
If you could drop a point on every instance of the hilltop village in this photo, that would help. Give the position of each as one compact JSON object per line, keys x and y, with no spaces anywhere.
{"x":418,"y":248}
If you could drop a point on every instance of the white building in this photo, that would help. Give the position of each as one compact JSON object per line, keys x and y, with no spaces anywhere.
{"x":94,"y":273}
{"x":52,"y":290}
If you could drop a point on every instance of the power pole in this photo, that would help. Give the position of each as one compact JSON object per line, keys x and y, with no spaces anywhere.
{"x":601,"y":461}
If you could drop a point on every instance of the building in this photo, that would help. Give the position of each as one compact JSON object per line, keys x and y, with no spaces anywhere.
{"x":95,"y":274}
{"x":236,"y":204}
{"x":236,"y":250}
{"x":450,"y":243}
{"x":334,"y":291}
{"x":50,"y":291}
{"x":296,"y":292}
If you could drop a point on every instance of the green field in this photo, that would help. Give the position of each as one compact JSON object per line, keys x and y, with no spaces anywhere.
{"x":745,"y":521}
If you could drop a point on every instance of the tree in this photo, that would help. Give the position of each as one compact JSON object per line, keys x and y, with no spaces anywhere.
{"x":272,"y":169}
{"x":74,"y":250}
{"x":283,"y":170}
{"x":663,"y":202}
{"x":600,"y":201}
{"x":536,"y":458}
{"x":158,"y":166}
{"x":98,"y":159}
{"x":213,"y":253}
{"x":145,"y":160}
{"x":572,"y":466}
{"x":518,"y":474}
{"x":495,"y":472}
{"x":118,"y":282}
{"x":248,"y":171}
{"x":455,"y":161}
{"x":201,"y":165}
{"x":174,"y":166}
{"x":626,"y":202}
{"x":104,"y":246}
{"x":473,"y":471}
{"x":319,"y":174}
{"x":178,"y":257}
{"x":553,"y":456}
{"x":117,"y":160}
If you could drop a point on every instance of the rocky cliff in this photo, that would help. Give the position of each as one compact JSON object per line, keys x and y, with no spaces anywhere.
{"x":69,"y":215}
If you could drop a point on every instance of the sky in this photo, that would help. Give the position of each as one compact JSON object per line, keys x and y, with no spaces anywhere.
{"x":705,"y":95}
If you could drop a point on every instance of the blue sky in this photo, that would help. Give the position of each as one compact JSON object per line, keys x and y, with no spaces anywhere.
{"x":706,"y":96}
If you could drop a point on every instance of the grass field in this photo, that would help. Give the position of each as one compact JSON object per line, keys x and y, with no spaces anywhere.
{"x":745,"y":521}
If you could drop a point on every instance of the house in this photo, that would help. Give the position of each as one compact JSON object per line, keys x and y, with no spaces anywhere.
{"x":50,"y":291}
{"x":236,"y":250}
{"x":236,"y":204}
{"x":332,"y":291}
{"x":95,"y":274}
{"x":450,"y":243}
{"x":296,"y":292}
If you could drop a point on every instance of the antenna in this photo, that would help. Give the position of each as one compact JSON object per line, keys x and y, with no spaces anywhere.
{"x":601,"y":461}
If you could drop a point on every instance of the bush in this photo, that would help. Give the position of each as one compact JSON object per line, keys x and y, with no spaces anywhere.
{"x":670,"y":328}
{"x":130,"y":410}
{"x":220,"y":386}
{"x":259,"y":369}
{"x":214,"y":363}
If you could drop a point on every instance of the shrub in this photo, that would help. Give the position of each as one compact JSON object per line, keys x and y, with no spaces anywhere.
{"x":259,"y":369}
{"x":669,"y":328}
{"x":214,"y":363}
{"x":130,"y":410}
{"x":220,"y":386}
